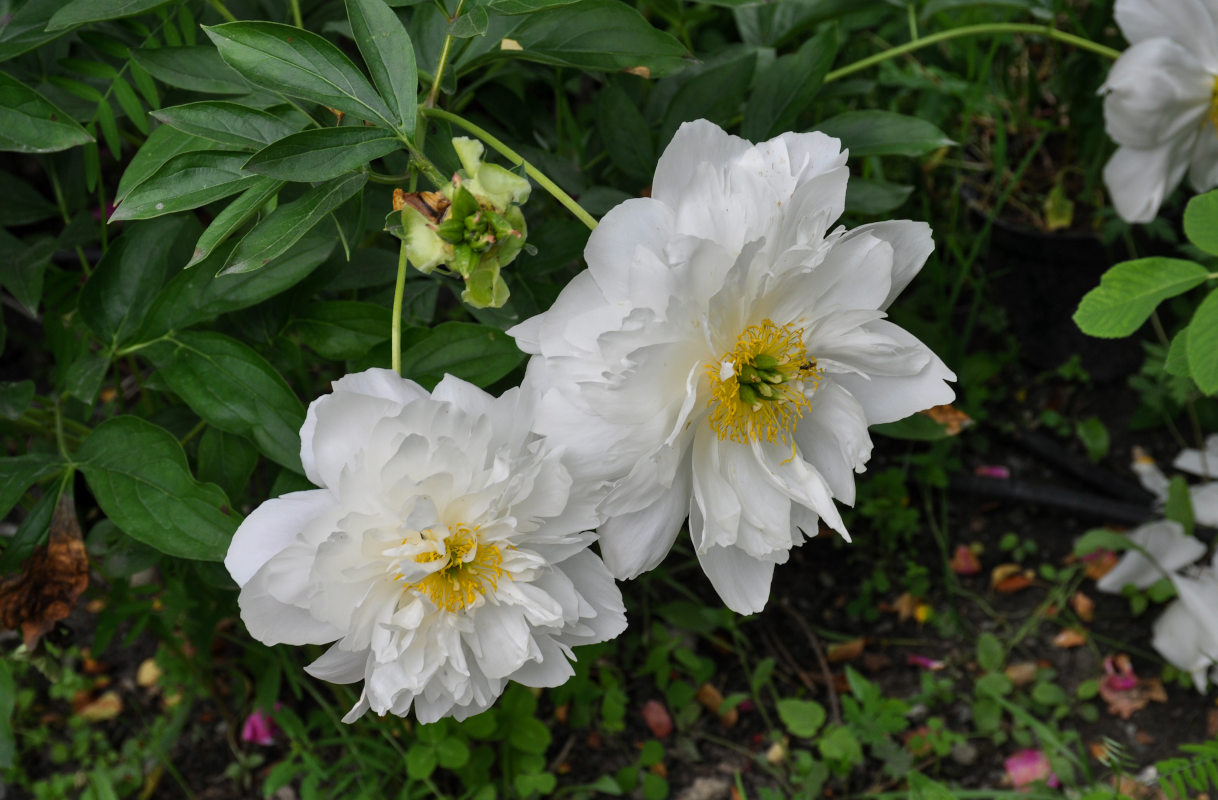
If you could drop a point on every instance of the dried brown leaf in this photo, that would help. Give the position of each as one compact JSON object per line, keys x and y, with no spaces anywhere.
{"x":1069,"y":637}
{"x":845,"y":651}
{"x":55,"y":575}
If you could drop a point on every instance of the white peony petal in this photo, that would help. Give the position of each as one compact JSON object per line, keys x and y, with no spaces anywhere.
{"x":1139,"y":180}
{"x":1179,"y":639}
{"x":1203,"y":163}
{"x":1156,"y":91}
{"x":271,"y":528}
{"x":1203,"y":463}
{"x":1205,"y":503}
{"x":887,"y":398}
{"x":742,"y":582}
{"x":337,"y":665}
{"x":911,"y":243}
{"x":694,"y":143}
{"x":633,"y":543}
{"x":1169,"y":548}
{"x":1192,"y":23}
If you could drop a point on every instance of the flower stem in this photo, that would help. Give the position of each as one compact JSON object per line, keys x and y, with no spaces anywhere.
{"x":297,"y":20}
{"x":511,"y":155}
{"x":972,"y":30}
{"x":223,"y":9}
{"x":399,"y":289}
{"x":445,"y":49}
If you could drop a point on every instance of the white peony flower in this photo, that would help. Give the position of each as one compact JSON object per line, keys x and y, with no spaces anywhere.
{"x":1165,"y":548}
{"x":1160,"y":103}
{"x":1186,"y":634}
{"x":445,"y":554}
{"x":1203,"y":463}
{"x":724,"y":353}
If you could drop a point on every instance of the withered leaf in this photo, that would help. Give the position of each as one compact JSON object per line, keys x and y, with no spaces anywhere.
{"x":431,"y":205}
{"x":55,"y":575}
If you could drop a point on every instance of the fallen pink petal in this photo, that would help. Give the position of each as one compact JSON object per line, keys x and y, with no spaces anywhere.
{"x":1030,"y":766}
{"x":995,"y":471}
{"x":259,"y":728}
{"x":922,"y":662}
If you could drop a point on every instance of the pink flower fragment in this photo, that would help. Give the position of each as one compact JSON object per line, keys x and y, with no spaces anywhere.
{"x":923,"y":662}
{"x":995,"y":471}
{"x":1030,"y":766}
{"x":259,"y":728}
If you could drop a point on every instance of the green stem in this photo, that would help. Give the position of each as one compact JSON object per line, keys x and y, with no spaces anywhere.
{"x":297,"y":20}
{"x":972,"y":30}
{"x":518,"y":160}
{"x":395,"y":330}
{"x":223,"y":9}
{"x":445,"y":49}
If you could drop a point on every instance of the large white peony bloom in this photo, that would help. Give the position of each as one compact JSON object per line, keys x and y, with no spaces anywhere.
{"x":445,"y":554}
{"x":1160,"y":103}
{"x":724,"y":353}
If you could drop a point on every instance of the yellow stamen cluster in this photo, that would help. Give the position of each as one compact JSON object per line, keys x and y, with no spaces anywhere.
{"x":472,"y":568}
{"x":764,"y":396}
{"x":1214,"y":105}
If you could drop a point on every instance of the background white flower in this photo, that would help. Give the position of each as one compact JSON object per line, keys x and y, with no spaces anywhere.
{"x":1160,"y":103}
{"x":446,"y":550}
{"x":1165,"y":549}
{"x":1186,"y":634}
{"x":724,"y":353}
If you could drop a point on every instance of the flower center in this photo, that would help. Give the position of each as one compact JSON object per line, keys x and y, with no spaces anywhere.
{"x":471,"y":568}
{"x":757,"y":389}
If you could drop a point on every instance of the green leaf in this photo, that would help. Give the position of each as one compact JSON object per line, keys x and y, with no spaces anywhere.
{"x":298,"y":63}
{"x":715,"y":91}
{"x":803,"y":718}
{"x":139,"y":476}
{"x":529,"y":735}
{"x":84,"y":376}
{"x":130,"y":104}
{"x":884,"y":133}
{"x":19,"y":473}
{"x":229,"y":123}
{"x":322,"y":153}
{"x":1129,"y":292}
{"x":1180,"y":504}
{"x":787,"y":86}
{"x":227,"y":461}
{"x":606,"y":35}
{"x":625,"y":132}
{"x":79,"y":12}
{"x":452,"y":753}
{"x":29,"y":123}
{"x":234,"y":215}
{"x":512,"y":7}
{"x":923,"y":788}
{"x":8,"y":698}
{"x":1176,"y":362}
{"x":1094,"y":436}
{"x":470,"y":24}
{"x":1203,"y":344}
{"x":284,"y":226}
{"x":15,"y":398}
{"x":121,"y":289}
{"x":162,"y":145}
{"x":1101,"y":539}
{"x":23,"y":205}
{"x":991,"y":655}
{"x":476,"y":353}
{"x":841,"y":745}
{"x":198,"y":68}
{"x":233,"y":388}
{"x":383,"y":42}
{"x":186,"y":181}
{"x":342,"y":329}
{"x":24,"y":268}
{"x":25,"y":28}
{"x":197,"y":295}
{"x":875,"y":196}
{"x":1201,"y":221}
